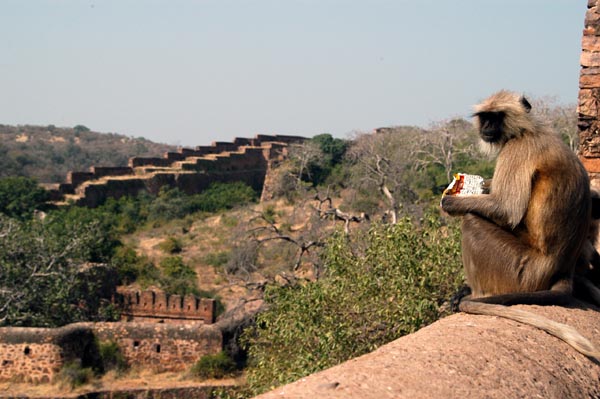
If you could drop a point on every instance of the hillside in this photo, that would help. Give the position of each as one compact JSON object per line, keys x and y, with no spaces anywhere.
{"x":47,"y":153}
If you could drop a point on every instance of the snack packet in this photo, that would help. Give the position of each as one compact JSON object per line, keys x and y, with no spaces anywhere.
{"x":464,"y":184}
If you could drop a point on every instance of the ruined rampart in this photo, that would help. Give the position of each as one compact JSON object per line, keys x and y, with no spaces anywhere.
{"x":157,"y":306}
{"x":38,"y":354}
{"x":190,"y":170}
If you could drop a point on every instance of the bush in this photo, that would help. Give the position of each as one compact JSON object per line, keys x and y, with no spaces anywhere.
{"x":72,"y":375}
{"x":216,"y":258}
{"x":213,"y":366}
{"x":111,"y":356}
{"x":388,"y":282}
{"x":178,"y":278}
{"x":171,"y":245}
{"x":174,"y":204}
{"x":55,"y":272}
{"x":20,"y":196}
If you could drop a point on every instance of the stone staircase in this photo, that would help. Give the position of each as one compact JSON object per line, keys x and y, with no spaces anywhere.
{"x":190,"y":170}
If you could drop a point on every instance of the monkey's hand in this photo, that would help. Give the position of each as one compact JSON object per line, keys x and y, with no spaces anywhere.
{"x":462,"y":293}
{"x":451,"y":205}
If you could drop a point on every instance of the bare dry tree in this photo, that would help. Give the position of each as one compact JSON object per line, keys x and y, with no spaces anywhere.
{"x":443,"y":143}
{"x":562,"y":118}
{"x":269,"y":231}
{"x":336,"y":213}
{"x":382,"y":161}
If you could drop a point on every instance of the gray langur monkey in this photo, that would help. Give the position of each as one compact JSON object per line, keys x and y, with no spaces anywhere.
{"x":523,"y":242}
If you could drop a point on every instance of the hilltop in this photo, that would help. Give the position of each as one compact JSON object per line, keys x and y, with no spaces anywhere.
{"x":47,"y":153}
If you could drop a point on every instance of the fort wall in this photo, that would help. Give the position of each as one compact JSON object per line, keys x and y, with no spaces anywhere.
{"x":161,"y":347}
{"x":37,"y":354}
{"x":190,"y":170}
{"x":157,"y":306}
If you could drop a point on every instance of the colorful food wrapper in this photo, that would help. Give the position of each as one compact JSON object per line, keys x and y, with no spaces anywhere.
{"x":464,"y":184}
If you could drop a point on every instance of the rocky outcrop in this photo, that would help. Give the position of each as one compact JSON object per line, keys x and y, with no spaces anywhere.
{"x":466,"y":356}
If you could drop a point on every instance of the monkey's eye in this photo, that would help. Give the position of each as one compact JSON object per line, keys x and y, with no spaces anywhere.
{"x":490,"y":125}
{"x":493,"y":118}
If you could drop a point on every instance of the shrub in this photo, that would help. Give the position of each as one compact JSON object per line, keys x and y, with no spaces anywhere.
{"x":213,"y":366}
{"x":126,"y":262}
{"x":216,"y":258}
{"x":111,"y":356}
{"x":20,"y":196}
{"x":387,"y":282}
{"x":171,"y":245}
{"x":174,"y":204}
{"x":178,"y":278}
{"x":54,"y":272}
{"x":72,"y":375}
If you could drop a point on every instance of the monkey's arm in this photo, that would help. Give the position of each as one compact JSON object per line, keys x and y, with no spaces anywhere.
{"x":488,"y":206}
{"x":506,"y":204}
{"x":487,"y":186}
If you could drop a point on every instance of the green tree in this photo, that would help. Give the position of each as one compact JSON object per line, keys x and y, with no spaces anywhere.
{"x":333,"y":150}
{"x":81,"y":128}
{"x":20,"y":196}
{"x":377,"y":288}
{"x":178,"y":278}
{"x":54,"y":272}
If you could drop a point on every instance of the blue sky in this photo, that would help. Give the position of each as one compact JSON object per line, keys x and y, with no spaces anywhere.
{"x":190,"y":72}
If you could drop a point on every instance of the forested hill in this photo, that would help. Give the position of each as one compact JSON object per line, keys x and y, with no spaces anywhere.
{"x":47,"y":153}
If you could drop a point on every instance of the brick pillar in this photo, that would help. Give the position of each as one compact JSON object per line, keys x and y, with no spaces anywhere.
{"x":588,"y":107}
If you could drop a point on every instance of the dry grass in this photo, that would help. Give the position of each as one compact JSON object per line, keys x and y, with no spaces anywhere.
{"x":111,"y":382}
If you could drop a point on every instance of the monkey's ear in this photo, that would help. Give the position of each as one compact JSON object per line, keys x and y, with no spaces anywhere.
{"x":525,"y":104}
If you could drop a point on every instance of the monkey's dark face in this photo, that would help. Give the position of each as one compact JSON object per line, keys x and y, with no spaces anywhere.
{"x":491,"y":126}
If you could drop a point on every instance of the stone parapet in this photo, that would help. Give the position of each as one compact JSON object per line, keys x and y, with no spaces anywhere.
{"x":157,"y":306}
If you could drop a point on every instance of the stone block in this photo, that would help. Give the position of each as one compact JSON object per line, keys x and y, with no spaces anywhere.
{"x":589,"y":81}
{"x":589,"y":59}
{"x":590,"y":43}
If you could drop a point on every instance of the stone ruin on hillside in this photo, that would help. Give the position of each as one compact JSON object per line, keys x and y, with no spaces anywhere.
{"x":190,"y":170}
{"x":159,"y":307}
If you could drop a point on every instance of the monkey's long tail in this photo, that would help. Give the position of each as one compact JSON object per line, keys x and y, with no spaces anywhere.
{"x":592,"y":290}
{"x":559,"y":330}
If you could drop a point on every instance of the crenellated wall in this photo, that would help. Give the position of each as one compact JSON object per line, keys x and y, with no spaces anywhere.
{"x":157,"y":306}
{"x":190,"y":170}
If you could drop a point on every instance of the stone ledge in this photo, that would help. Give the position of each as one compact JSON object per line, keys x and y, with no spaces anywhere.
{"x":466,"y":356}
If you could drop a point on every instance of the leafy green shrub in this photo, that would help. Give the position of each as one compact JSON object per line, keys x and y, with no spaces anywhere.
{"x":54,"y":272}
{"x":125,"y":261}
{"x":213,"y":366}
{"x":220,"y":196}
{"x":178,"y":278}
{"x":216,"y":258}
{"x":111,"y":356}
{"x":20,"y":196}
{"x":388,"y":282}
{"x":174,"y":203}
{"x":72,"y":375}
{"x":320,"y":168}
{"x":171,"y":245}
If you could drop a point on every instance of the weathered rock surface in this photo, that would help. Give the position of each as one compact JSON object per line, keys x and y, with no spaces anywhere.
{"x":467,"y":356}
